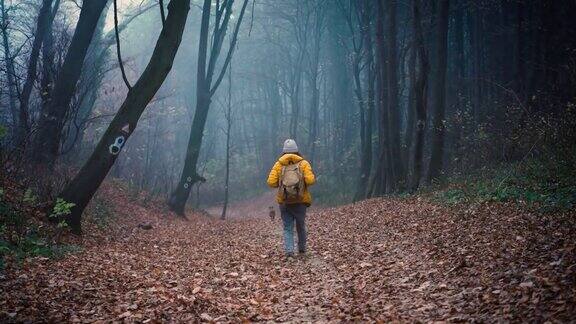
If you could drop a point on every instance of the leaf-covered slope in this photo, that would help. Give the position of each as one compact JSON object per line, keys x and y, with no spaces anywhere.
{"x":388,"y":259}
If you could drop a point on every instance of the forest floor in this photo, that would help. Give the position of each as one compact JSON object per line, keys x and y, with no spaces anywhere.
{"x":405,"y":259}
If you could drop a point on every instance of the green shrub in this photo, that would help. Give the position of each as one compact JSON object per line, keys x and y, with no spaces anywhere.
{"x":20,"y":238}
{"x":30,"y":197}
{"x":62,"y":208}
{"x":547,"y":184}
{"x":452,"y":196}
{"x":34,"y":246}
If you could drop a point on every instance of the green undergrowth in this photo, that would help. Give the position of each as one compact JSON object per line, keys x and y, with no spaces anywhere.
{"x":546,"y":185}
{"x":24,"y":236}
{"x":33,"y":245}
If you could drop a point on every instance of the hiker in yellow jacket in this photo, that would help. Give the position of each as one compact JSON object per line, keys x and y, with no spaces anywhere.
{"x":292,"y":175}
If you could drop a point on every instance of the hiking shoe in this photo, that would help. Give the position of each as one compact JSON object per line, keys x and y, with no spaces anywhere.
{"x":289,"y":256}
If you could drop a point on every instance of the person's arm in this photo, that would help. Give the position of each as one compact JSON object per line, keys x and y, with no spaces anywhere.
{"x":274,"y":175}
{"x":309,"y":178}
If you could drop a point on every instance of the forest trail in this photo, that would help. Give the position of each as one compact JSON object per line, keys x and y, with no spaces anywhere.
{"x":381,"y":259}
{"x":249,"y":208}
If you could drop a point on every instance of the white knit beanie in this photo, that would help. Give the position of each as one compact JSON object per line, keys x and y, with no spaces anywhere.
{"x":290,"y":146}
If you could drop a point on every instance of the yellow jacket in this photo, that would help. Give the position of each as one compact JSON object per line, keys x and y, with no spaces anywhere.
{"x":309,"y":179}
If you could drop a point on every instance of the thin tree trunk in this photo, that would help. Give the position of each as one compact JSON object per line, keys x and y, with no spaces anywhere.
{"x":47,"y":81}
{"x":315,"y":97}
{"x":397,"y":166}
{"x":519,"y":73}
{"x":364,"y":173}
{"x":91,"y":175}
{"x":459,"y":48}
{"x":478,"y":65}
{"x":46,"y":143}
{"x":314,"y":116}
{"x":366,"y":108}
{"x":411,"y":107}
{"x":178,"y":199}
{"x":42,"y":24}
{"x":91,"y":81}
{"x":381,"y":176}
{"x":419,"y":96}
{"x":228,"y":129}
{"x":439,"y":92}
{"x":204,"y":91}
{"x":295,"y":97}
{"x":10,"y":74}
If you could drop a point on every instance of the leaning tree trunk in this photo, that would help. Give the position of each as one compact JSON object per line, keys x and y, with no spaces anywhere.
{"x":89,"y":85}
{"x":439,"y":92}
{"x":91,"y":175}
{"x":189,"y":177}
{"x":46,"y":143}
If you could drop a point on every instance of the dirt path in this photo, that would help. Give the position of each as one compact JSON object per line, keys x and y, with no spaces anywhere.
{"x":378,"y":260}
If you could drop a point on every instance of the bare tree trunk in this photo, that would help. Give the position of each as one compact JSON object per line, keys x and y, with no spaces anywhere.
{"x":313,"y":120}
{"x":366,"y":108}
{"x":295,"y":97}
{"x":476,"y":21}
{"x":411,"y":109}
{"x":419,"y":90}
{"x":89,"y":84}
{"x":204,"y":91}
{"x":315,"y":97}
{"x":91,"y":175}
{"x":47,"y":81}
{"x":228,"y":129}
{"x":42,"y":24}
{"x":275,"y":104}
{"x":178,"y":199}
{"x":397,"y":166}
{"x":381,"y":176}
{"x":10,"y":74}
{"x":439,"y":92}
{"x":46,"y":143}
{"x":519,"y":73}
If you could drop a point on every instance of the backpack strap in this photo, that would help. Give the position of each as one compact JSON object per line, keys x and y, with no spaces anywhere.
{"x":282,"y":169}
{"x":280,"y":186}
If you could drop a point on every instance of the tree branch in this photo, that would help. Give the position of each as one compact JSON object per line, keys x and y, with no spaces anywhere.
{"x":118,"y":47}
{"x":162,"y":14}
{"x":230,"y":50}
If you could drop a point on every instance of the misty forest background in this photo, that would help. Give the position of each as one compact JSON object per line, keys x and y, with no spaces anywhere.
{"x":442,"y":135}
{"x":383,"y":97}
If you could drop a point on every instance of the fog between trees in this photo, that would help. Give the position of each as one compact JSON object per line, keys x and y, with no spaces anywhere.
{"x":381,"y":96}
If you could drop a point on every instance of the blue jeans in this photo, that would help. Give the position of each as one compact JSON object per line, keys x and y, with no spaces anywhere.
{"x":294,"y":213}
